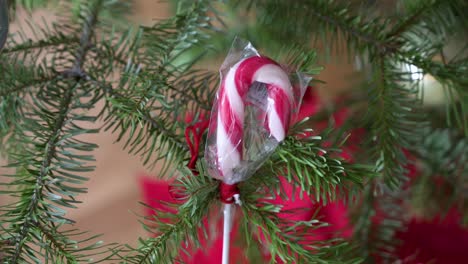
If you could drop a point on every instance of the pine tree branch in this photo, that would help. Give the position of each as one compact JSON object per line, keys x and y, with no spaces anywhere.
{"x":174,"y":230}
{"x":289,"y":240}
{"x":163,"y":239}
{"x":50,"y":237}
{"x":316,"y":169}
{"x":41,"y":44}
{"x":146,"y":116}
{"x":388,"y":151}
{"x":154,"y":135}
{"x":363,"y":220}
{"x":285,"y":238}
{"x":413,"y":18}
{"x":50,"y":150}
{"x":25,"y":85}
{"x":443,"y":159}
{"x":331,"y":20}
{"x":153,"y":85}
{"x":377,"y":237}
{"x":452,"y":77}
{"x":167,"y":41}
{"x":444,"y":72}
{"x":334,"y":19}
{"x":88,"y":32}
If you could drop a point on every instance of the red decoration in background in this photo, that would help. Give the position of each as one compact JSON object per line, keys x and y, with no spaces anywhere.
{"x":310,"y":105}
{"x":441,"y":240}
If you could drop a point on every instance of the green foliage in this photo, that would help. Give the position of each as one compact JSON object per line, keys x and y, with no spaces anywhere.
{"x":47,"y":172}
{"x":291,"y":241}
{"x":156,"y":83}
{"x":151,"y":84}
{"x":395,"y":120}
{"x":388,"y":45}
{"x":442,"y":183}
{"x":177,"y":224}
{"x":318,"y":170}
{"x":377,"y":218}
{"x":44,"y":100}
{"x":319,"y":174}
{"x":286,"y":239}
{"x":388,"y":48}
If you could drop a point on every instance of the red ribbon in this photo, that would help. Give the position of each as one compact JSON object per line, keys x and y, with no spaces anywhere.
{"x":195,"y":133}
{"x":227,"y":192}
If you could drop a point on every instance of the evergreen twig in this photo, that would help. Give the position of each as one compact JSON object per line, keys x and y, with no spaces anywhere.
{"x":150,"y":86}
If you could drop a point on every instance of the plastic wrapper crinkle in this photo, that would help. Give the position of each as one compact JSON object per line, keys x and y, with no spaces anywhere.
{"x":251,"y":112}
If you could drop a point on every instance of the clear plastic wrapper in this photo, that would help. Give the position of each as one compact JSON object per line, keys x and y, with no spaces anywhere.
{"x":251,"y":112}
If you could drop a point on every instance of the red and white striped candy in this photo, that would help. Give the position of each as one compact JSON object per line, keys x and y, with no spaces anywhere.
{"x":234,"y":88}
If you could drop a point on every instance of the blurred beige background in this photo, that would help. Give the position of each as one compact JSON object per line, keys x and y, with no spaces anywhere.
{"x":113,"y":190}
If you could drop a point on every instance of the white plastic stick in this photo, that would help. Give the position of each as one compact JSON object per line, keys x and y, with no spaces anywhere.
{"x":226,"y":232}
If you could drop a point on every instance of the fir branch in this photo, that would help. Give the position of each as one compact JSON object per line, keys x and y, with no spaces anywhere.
{"x":152,"y":92}
{"x":377,"y":218}
{"x":123,"y":49}
{"x":454,"y":80}
{"x":338,"y":17}
{"x":50,"y":152}
{"x":338,"y":26}
{"x":169,"y":39}
{"x":158,"y":88}
{"x":40,"y":44}
{"x":393,"y":120}
{"x":316,"y":169}
{"x":24,"y":49}
{"x":52,"y":238}
{"x":411,"y":19}
{"x":287,"y":240}
{"x":443,"y":157}
{"x":362,"y":220}
{"x":35,"y":205}
{"x":318,"y":172}
{"x":157,"y":249}
{"x":174,"y":230}
{"x":195,"y":91}
{"x":9,"y":86}
{"x":331,"y":21}
{"x":166,"y":42}
{"x":148,"y":133}
{"x":89,"y":25}
{"x":440,"y":21}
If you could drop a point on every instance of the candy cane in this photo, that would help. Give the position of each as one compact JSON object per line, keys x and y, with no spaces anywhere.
{"x":234,"y":88}
{"x":230,"y":120}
